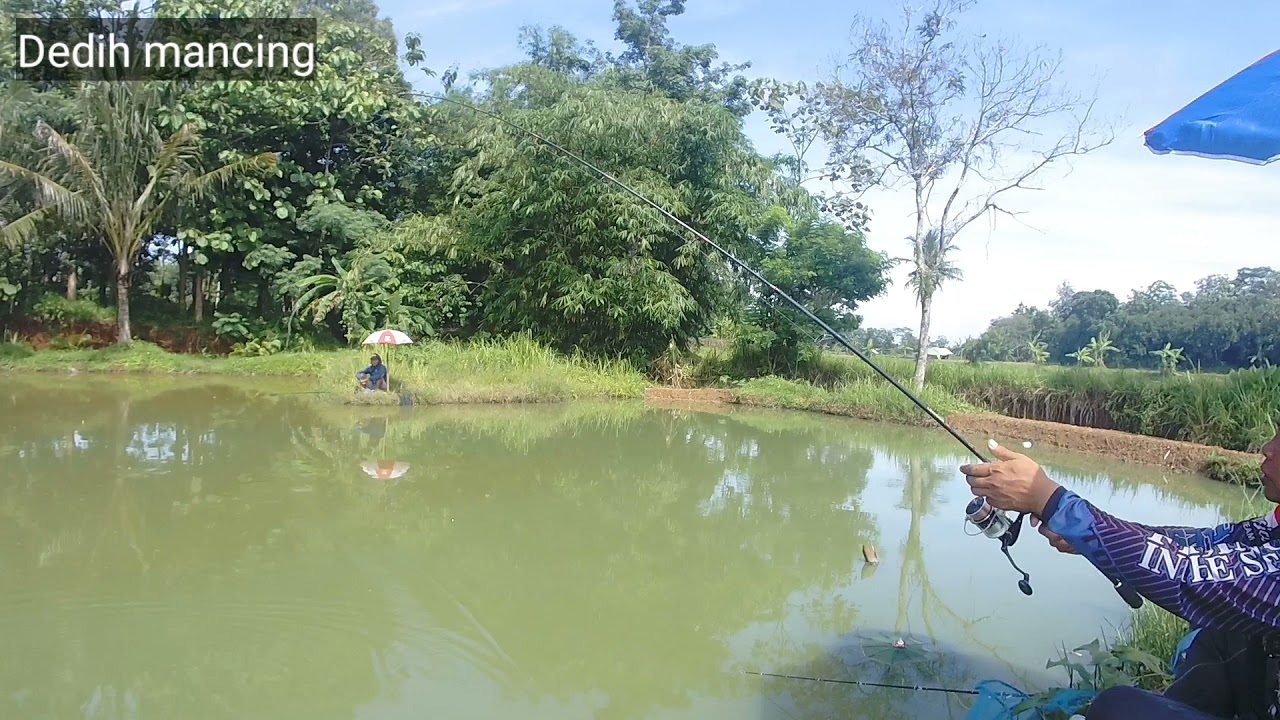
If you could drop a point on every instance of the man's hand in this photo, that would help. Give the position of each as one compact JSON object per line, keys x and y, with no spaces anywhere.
{"x":1015,"y":483}
{"x":1054,"y":538}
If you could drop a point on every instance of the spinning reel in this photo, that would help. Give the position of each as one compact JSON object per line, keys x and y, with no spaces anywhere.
{"x":996,"y":525}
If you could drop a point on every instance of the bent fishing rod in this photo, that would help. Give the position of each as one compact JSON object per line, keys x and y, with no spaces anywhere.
{"x":990,"y":521}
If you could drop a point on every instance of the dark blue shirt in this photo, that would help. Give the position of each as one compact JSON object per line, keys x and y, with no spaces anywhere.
{"x":1225,"y":577}
{"x":376,"y":373}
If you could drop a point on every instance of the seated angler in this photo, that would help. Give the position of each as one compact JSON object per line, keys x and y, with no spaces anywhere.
{"x":373,"y":377}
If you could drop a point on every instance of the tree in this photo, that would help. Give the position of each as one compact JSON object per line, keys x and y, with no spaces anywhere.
{"x":1224,"y":323}
{"x":119,"y":175}
{"x":950,"y":118}
{"x":653,"y":61}
{"x":931,"y":268}
{"x":1083,"y":356}
{"x":552,"y":248}
{"x":822,"y":265}
{"x":1085,"y":316}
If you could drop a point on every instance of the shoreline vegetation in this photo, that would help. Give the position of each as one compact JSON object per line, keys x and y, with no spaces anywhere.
{"x":1205,"y":424}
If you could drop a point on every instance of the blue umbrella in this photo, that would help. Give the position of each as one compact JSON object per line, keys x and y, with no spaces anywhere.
{"x":1237,"y":120}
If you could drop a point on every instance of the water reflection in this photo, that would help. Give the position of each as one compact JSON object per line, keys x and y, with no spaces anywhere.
{"x":198,"y":550}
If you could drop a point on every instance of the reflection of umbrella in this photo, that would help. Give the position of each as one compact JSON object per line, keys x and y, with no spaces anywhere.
{"x":388,"y":337}
{"x":1237,"y":120}
{"x":385,"y":469}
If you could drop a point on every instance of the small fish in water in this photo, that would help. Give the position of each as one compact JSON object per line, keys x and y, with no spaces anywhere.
{"x":869,"y":554}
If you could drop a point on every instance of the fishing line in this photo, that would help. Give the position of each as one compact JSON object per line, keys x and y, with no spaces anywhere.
{"x":920,"y":688}
{"x":994,"y":518}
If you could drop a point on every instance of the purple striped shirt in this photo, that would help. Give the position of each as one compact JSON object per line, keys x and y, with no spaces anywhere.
{"x":1225,"y":577}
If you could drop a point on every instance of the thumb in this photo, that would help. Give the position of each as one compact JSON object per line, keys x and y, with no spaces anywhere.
{"x":1001,"y":452}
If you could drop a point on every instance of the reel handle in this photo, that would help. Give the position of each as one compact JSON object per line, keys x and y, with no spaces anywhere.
{"x":1133,"y":599}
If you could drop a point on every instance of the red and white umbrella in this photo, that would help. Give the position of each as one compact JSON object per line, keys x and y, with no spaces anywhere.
{"x":388,"y":337}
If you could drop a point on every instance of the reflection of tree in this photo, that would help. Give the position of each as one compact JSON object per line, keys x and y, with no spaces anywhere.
{"x":921,"y":485}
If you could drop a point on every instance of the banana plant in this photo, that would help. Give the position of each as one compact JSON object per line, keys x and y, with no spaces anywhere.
{"x":1083,"y":356}
{"x":1038,"y":351}
{"x":354,"y":291}
{"x":1169,"y":357}
{"x":1099,"y":347}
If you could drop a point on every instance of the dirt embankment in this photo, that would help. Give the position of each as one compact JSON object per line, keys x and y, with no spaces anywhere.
{"x":696,"y":395}
{"x":1169,"y":454}
{"x":94,"y":336}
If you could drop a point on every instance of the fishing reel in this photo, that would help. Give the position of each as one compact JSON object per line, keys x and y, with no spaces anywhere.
{"x":996,"y":525}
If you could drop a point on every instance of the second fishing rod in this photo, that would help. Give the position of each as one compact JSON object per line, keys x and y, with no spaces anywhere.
{"x":990,"y":521}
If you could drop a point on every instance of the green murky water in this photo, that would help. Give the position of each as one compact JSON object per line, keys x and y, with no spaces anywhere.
{"x":199,"y":549}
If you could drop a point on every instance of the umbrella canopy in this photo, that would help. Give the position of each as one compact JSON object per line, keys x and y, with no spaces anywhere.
{"x":388,"y":337}
{"x":384,"y":469}
{"x":1237,"y":120}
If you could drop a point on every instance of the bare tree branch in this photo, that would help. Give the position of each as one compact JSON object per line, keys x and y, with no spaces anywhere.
{"x":954,"y":117}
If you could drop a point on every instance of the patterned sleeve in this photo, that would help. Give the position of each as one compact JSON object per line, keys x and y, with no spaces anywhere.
{"x":1226,"y":577}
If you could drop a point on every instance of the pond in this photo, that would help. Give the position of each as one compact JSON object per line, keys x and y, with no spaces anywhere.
{"x":179,"y":548}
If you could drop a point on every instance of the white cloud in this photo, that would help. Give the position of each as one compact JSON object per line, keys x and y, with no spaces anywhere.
{"x":1123,"y":219}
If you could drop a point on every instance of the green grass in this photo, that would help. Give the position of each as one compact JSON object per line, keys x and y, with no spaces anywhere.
{"x":864,"y":398}
{"x":1236,"y":411}
{"x":516,"y":370}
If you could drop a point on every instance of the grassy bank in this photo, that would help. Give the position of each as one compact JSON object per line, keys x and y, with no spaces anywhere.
{"x":516,"y":370}
{"x":866,"y":398}
{"x":1234,"y":411}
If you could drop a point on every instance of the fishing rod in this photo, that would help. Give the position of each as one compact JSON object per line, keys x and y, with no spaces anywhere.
{"x":921,"y":688}
{"x":992,"y":522}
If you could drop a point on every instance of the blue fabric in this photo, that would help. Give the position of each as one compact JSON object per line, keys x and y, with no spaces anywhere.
{"x":376,"y":373}
{"x":1237,"y":120}
{"x":1180,"y":652}
{"x":996,"y":701}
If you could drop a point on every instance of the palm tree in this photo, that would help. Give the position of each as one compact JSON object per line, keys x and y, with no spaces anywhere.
{"x":932,"y":268}
{"x":119,"y":176}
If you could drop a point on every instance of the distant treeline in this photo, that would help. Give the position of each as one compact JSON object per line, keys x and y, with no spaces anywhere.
{"x":1227,"y":322}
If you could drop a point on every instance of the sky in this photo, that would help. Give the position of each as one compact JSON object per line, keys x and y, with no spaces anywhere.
{"x":1117,"y":219}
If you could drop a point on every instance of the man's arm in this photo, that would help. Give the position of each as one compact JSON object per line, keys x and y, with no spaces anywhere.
{"x":1226,"y":577}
